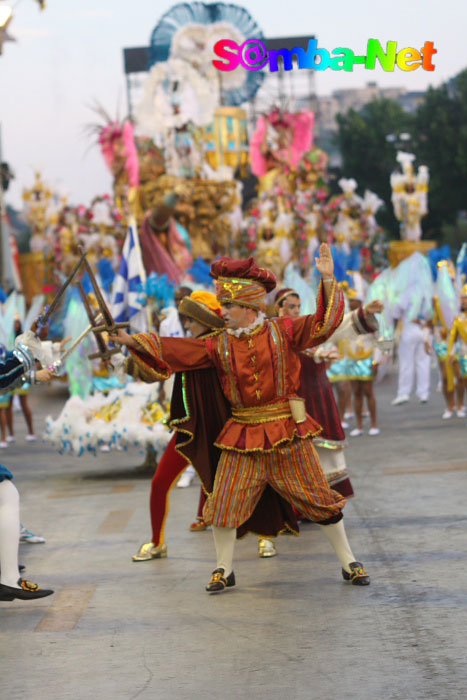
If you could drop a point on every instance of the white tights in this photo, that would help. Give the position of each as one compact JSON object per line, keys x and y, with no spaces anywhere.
{"x":224,"y":539}
{"x":335,"y":533}
{"x":9,"y":533}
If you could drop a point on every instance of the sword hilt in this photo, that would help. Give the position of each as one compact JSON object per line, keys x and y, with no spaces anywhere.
{"x":104,"y":355}
{"x":111,"y":328}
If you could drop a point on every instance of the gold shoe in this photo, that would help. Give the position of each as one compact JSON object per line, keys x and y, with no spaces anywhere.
{"x":198,"y":526}
{"x":266,"y":548}
{"x":149,"y":551}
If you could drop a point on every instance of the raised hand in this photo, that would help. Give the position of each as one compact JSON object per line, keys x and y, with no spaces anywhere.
{"x":325,"y":263}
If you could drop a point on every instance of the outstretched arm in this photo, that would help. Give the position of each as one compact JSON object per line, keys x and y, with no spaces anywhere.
{"x":358,"y":322}
{"x":154,"y":359}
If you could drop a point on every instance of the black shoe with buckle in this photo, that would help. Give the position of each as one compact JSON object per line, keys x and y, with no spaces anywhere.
{"x":358,"y":576}
{"x":219,"y":582}
{"x":27,"y":591}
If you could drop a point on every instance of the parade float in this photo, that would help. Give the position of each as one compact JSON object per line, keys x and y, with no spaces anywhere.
{"x":410,"y":203}
{"x":189,"y":137}
{"x":177,"y":166}
{"x":295,"y":212}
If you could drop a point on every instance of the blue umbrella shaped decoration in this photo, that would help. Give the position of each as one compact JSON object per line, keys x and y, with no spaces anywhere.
{"x":200,"y":13}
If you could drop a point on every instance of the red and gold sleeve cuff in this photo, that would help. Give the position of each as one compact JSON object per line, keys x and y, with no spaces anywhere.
{"x":147,"y":363}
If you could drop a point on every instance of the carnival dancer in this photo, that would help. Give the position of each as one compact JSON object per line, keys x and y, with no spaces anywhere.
{"x":458,"y":336}
{"x":363,"y":358}
{"x":445,"y":307}
{"x":316,"y":388}
{"x":414,"y":310}
{"x":337,"y":375}
{"x":453,"y":392}
{"x":201,"y":317}
{"x":16,"y":369}
{"x":268,"y":440}
{"x":199,"y":410}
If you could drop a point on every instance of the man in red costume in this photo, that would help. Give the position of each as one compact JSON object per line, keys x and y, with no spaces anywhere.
{"x":198,"y":412}
{"x":268,"y":439}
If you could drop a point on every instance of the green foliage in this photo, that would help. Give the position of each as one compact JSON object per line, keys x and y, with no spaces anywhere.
{"x":438,"y":138}
{"x":367,"y":155}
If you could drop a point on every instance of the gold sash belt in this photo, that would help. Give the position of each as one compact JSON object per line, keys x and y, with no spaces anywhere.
{"x":262,"y":414}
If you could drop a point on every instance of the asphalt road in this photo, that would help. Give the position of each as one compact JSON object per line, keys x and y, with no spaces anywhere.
{"x":291,"y":629}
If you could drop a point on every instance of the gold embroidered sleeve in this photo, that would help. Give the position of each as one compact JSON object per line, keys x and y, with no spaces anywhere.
{"x":146,"y":361}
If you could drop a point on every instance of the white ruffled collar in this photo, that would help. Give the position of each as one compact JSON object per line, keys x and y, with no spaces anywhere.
{"x":259,"y":320}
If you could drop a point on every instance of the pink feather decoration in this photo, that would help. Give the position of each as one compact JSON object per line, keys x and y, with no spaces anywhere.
{"x":109,"y":136}
{"x":132,"y":162}
{"x":302,"y":125}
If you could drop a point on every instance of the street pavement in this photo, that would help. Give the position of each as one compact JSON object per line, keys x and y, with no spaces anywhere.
{"x":291,"y":628}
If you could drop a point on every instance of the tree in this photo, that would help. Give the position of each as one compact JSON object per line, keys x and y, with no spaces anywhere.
{"x":438,"y":132}
{"x":367,"y":154}
{"x":438,"y":144}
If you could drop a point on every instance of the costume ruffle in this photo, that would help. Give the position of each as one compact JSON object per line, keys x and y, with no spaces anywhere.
{"x":265,"y":436}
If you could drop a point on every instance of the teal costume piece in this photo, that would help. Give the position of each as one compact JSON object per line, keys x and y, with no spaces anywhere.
{"x":441,"y":350}
{"x":184,"y":234}
{"x":339,"y":370}
{"x":463,"y":365}
{"x":23,"y":390}
{"x":104,"y":384}
{"x":5,"y":400}
{"x":361,"y":370}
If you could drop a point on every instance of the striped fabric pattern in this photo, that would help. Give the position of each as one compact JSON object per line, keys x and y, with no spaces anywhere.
{"x":292,"y":470}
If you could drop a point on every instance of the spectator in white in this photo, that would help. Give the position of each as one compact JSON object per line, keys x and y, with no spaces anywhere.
{"x":414,"y":354}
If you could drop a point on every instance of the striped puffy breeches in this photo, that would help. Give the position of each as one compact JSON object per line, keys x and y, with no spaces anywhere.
{"x":292,"y":469}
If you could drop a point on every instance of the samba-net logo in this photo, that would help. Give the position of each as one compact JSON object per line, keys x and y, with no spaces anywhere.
{"x":253,"y":55}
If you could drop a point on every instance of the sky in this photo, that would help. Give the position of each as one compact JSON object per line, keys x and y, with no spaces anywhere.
{"x":69,"y":57}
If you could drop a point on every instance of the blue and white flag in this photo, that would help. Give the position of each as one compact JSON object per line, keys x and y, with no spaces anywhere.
{"x":128,"y":283}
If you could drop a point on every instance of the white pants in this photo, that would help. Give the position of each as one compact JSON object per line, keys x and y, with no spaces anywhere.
{"x":414,"y":363}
